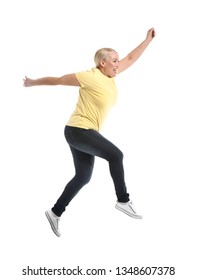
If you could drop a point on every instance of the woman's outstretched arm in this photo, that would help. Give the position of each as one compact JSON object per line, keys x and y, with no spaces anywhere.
{"x":66,"y":80}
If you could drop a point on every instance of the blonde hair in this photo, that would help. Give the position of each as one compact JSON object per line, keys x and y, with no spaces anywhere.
{"x":102,"y":54}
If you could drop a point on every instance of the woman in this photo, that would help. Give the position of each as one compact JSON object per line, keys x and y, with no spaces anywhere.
{"x":97,"y":94}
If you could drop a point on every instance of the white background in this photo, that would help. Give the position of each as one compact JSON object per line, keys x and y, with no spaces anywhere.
{"x":153,"y":123}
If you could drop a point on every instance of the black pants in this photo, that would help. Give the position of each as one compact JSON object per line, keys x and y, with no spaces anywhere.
{"x":85,"y":144}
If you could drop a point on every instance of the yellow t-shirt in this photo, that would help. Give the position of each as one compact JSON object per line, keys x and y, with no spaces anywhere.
{"x":97,"y":94}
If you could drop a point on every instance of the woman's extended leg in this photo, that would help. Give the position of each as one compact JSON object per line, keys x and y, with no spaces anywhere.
{"x":84,"y":164}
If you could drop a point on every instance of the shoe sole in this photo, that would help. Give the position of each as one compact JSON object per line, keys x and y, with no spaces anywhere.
{"x":52,"y":225}
{"x":129,"y":214}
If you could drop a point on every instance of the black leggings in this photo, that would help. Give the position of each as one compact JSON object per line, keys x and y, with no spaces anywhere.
{"x":85,"y":144}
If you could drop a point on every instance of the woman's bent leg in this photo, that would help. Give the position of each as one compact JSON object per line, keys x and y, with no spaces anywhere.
{"x":93,"y":143}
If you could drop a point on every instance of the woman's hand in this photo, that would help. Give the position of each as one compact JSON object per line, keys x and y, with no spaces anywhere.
{"x":27,"y":82}
{"x":150,"y":34}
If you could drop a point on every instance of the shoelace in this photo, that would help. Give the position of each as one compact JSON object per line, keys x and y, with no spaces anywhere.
{"x":57,"y":223}
{"x":130,"y":205}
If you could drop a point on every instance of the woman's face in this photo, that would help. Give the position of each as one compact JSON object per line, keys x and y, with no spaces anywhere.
{"x":110,"y":65}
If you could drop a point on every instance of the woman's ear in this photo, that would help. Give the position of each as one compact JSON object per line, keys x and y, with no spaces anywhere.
{"x":102,"y":63}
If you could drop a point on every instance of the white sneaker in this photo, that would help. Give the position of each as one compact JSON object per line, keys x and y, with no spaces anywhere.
{"x":54,"y":222}
{"x":128,"y":209}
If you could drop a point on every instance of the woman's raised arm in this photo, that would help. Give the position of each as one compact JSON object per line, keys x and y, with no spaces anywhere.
{"x":128,"y":60}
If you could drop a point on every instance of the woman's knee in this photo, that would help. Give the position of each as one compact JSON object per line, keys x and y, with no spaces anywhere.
{"x":117,"y":155}
{"x":83,"y":178}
